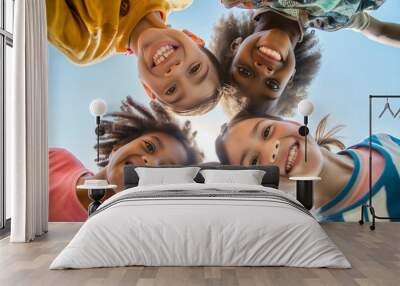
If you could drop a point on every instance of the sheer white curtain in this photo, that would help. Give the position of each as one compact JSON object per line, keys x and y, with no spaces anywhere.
{"x":26,"y":123}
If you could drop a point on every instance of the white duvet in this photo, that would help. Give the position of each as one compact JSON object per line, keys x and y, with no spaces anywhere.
{"x":203,"y":231}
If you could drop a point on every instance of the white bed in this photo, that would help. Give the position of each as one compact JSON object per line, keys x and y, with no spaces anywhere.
{"x":223,"y":225}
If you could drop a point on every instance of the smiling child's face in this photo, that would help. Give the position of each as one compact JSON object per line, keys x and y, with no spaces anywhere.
{"x":261,"y":141}
{"x":152,"y":149}
{"x":263,"y":64}
{"x":176,"y":69}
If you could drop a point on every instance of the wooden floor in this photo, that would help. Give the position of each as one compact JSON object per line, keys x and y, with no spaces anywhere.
{"x":375,"y":257}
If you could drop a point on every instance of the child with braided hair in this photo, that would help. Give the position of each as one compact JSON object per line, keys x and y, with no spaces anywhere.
{"x":135,"y":135}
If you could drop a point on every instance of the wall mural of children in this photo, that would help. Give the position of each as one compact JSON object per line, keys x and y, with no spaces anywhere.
{"x":260,"y":139}
{"x":174,"y":66}
{"x":136,"y":135}
{"x":260,"y":64}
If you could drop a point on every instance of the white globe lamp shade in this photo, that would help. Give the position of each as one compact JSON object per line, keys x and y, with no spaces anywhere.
{"x":305,"y":107}
{"x":98,"y":107}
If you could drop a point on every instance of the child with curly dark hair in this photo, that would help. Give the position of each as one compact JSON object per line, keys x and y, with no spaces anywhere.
{"x":267,"y":60}
{"x":136,"y":135}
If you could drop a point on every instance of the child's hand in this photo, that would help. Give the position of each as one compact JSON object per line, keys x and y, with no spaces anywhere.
{"x":382,"y":32}
{"x":359,"y":21}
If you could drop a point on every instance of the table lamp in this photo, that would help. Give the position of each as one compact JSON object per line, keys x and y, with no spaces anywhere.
{"x":305,"y":108}
{"x":98,"y":108}
{"x":97,"y":188}
{"x":304,"y":184}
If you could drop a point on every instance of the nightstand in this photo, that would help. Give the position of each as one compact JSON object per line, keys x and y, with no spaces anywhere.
{"x":96,"y":192}
{"x":304,"y":190}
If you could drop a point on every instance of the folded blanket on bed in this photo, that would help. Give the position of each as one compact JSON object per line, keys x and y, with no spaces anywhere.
{"x":216,"y":192}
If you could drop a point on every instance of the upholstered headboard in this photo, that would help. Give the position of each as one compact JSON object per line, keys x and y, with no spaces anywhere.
{"x":270,"y":179}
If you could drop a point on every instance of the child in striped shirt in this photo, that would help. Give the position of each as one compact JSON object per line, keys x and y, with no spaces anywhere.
{"x":344,"y":187}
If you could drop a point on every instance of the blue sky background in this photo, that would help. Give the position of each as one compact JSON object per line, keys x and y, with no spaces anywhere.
{"x":352,"y":68}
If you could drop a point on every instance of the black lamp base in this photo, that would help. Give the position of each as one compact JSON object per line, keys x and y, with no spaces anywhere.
{"x":304,"y":193}
{"x":96,"y":195}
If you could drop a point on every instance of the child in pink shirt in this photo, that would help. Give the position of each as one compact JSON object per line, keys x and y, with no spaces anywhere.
{"x":134,"y":136}
{"x":64,"y":172}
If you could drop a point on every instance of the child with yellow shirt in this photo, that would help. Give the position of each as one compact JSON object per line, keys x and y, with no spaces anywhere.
{"x":174,"y":66}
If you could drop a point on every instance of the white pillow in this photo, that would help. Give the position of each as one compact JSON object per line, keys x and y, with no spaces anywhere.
{"x":163,"y":176}
{"x":247,"y":177}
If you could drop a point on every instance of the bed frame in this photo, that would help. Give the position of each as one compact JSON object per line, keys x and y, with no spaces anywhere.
{"x":270,"y":179}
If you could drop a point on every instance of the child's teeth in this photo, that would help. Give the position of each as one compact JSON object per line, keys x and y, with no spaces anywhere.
{"x":291,"y":158}
{"x":270,"y":52}
{"x":162,"y":54}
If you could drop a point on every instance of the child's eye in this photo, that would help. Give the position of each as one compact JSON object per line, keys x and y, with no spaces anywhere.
{"x":194,"y":68}
{"x":245,"y":72}
{"x":171,"y":90}
{"x":150,"y":147}
{"x":253,"y":161}
{"x":272,"y":84}
{"x":266,"y":132}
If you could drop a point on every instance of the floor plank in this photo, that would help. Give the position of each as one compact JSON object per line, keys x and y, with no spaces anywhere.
{"x":375,"y":257}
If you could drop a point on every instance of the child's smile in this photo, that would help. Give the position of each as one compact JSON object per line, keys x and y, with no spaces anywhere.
{"x":162,"y":53}
{"x":292,"y":157}
{"x":269,"y":53}
{"x":275,"y":44}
